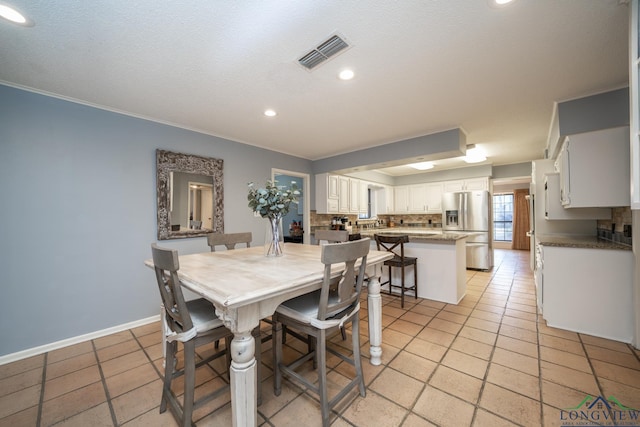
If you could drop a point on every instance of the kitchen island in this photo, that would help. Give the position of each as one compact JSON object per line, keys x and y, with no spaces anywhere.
{"x":441,"y":261}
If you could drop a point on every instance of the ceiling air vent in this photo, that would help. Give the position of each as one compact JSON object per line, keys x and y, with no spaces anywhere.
{"x":323,"y":52}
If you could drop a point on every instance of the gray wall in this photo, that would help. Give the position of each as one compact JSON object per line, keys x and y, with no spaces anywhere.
{"x":78,"y":213}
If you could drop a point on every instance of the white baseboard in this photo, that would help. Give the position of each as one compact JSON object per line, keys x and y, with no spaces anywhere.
{"x":75,"y":340}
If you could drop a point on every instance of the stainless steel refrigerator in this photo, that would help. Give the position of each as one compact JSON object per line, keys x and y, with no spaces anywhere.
{"x":469,"y":212}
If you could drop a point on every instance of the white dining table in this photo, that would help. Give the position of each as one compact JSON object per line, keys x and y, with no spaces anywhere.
{"x":245,"y":286}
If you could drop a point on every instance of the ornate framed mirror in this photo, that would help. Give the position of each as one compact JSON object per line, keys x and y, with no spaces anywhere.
{"x":190,"y":195}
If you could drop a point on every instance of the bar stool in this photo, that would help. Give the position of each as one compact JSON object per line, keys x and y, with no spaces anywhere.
{"x":395,"y":245}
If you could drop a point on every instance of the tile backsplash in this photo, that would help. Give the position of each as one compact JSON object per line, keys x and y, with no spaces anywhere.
{"x":618,"y":228}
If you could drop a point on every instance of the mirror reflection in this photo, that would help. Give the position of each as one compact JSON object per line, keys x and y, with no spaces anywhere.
{"x":191,"y":202}
{"x":190,"y":197}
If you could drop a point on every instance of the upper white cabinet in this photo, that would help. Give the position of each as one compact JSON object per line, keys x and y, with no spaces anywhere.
{"x":594,"y":169}
{"x":467,"y":184}
{"x":384,"y":200}
{"x":418,"y":198}
{"x":401,"y":199}
{"x":344,"y":185}
{"x":555,"y":210}
{"x":434,"y":197}
{"x":327,"y":193}
{"x":337,"y":194}
{"x":364,"y":197}
{"x":333,"y":189}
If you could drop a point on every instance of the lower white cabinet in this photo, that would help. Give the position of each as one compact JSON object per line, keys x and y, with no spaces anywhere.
{"x":589,"y":291}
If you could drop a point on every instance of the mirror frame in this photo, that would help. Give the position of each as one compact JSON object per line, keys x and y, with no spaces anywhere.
{"x":167,"y":162}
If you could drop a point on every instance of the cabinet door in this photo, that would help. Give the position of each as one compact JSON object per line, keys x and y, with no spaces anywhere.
{"x":343,"y":194}
{"x":595,"y":169}
{"x":364,"y":197}
{"x":457,"y":185}
{"x":354,"y":195}
{"x":418,"y":198}
{"x":555,"y":210}
{"x":476,"y":184}
{"x":434,"y":197}
{"x":333,"y":187}
{"x":401,"y":199}
{"x":384,"y":200}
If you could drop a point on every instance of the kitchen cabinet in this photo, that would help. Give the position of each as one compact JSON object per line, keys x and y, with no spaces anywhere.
{"x":425,"y":198}
{"x":434,"y":197}
{"x":555,"y":210}
{"x":466,"y":184}
{"x":364,"y":198}
{"x":384,"y":200}
{"x":333,"y":190}
{"x":594,"y":169}
{"x":327,"y":194}
{"x":588,"y":291}
{"x":418,"y":198}
{"x":401,"y":199}
{"x":354,"y":195}
{"x":344,"y":185}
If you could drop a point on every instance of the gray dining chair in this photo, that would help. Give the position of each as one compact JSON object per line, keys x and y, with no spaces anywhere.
{"x":320,"y":314}
{"x":331,"y":236}
{"x":193,"y":323}
{"x":229,"y":240}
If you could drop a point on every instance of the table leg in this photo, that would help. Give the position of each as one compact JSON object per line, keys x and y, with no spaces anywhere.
{"x":243,"y":380}
{"x":374,"y":306}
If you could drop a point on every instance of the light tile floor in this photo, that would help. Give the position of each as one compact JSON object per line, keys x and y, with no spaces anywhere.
{"x":488,"y":361}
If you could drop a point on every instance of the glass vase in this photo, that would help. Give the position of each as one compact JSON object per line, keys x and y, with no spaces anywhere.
{"x":274,"y":238}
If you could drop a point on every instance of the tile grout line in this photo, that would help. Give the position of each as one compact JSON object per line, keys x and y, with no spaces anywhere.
{"x":493,"y":349}
{"x":104,"y":384}
{"x":44,"y":382}
{"x":593,"y":371}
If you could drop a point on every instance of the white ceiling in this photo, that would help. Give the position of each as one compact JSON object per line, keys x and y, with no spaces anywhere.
{"x":422,"y":66}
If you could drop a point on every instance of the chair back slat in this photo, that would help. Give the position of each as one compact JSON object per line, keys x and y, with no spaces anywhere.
{"x":229,"y":240}
{"x":333,"y":302}
{"x":391,"y":243}
{"x":166,"y":265}
{"x":331,"y":236}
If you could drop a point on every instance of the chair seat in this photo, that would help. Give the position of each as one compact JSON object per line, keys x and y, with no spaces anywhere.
{"x":203,"y":315}
{"x":304,"y":309}
{"x":397,"y":261}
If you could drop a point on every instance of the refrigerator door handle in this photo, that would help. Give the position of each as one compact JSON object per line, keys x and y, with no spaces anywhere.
{"x":463,"y":211}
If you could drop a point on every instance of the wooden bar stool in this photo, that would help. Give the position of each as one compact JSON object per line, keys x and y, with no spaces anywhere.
{"x":395,"y":245}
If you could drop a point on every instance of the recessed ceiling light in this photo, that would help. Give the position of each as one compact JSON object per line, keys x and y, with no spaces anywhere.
{"x":475,"y":154}
{"x":423,"y":166}
{"x":346,"y":75}
{"x":12,"y":15}
{"x":270,"y":113}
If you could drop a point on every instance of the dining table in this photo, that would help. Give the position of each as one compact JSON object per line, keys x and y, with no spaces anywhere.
{"x":246,"y":286}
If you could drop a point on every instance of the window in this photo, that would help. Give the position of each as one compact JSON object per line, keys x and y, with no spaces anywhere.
{"x":503,"y":217}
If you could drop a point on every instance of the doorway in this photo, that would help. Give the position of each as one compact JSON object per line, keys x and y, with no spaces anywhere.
{"x":200,"y":204}
{"x":297,"y":214}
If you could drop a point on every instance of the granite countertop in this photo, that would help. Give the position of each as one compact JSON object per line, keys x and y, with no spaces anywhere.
{"x":584,"y":242}
{"x":417,"y":235}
